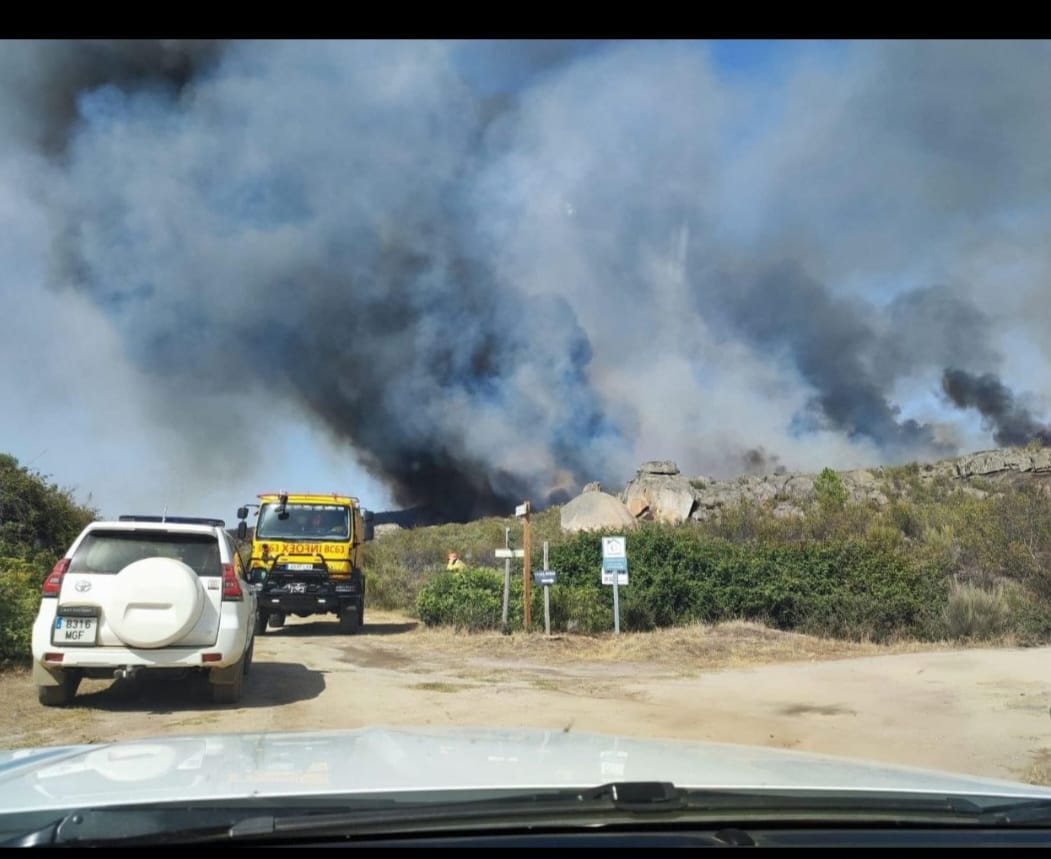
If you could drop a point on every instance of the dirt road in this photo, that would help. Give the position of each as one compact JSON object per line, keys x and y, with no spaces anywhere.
{"x":978,"y":711}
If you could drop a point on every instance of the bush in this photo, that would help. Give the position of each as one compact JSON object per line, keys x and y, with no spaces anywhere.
{"x":469,"y":599}
{"x":830,"y":491}
{"x":38,"y":519}
{"x":38,"y":522}
{"x":974,"y":612}
{"x":19,"y":599}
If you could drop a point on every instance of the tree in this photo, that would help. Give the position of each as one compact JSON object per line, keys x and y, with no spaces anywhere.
{"x":830,"y":491}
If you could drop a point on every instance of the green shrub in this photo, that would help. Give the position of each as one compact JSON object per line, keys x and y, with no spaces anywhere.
{"x":830,"y":491}
{"x":19,"y":600}
{"x":975,"y":612}
{"x":38,"y":522}
{"x":469,"y":599}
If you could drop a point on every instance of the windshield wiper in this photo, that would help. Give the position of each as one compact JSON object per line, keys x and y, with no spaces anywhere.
{"x":160,"y":824}
{"x":611,"y":804}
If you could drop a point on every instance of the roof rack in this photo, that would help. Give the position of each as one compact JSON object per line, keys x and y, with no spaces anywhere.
{"x":176,"y":520}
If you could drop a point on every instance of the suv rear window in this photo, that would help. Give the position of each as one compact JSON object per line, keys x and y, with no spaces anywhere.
{"x":111,"y":551}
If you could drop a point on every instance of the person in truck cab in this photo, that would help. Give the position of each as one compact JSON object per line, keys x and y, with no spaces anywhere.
{"x":330,"y":524}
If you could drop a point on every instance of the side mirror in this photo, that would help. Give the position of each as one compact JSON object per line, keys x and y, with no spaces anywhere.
{"x":242,"y":529}
{"x":242,"y":512}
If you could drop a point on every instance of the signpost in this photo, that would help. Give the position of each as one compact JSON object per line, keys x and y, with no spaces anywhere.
{"x":507,"y":553}
{"x":522,"y":511}
{"x":546,"y":578}
{"x":615,"y":571}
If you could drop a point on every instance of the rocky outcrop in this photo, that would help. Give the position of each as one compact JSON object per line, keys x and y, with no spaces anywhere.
{"x":659,"y":492}
{"x":1007,"y":463}
{"x":596,"y":510}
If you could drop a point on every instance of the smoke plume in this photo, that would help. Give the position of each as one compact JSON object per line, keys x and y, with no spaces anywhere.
{"x":493,"y":271}
{"x":1011,"y":422}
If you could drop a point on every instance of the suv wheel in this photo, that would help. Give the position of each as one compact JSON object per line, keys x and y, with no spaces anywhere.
{"x":230,"y":693}
{"x":249,"y":656}
{"x":62,"y":694}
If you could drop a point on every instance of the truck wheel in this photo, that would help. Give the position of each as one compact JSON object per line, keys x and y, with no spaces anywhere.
{"x":349,"y":619}
{"x":260,"y":623}
{"x":277,"y":619}
{"x":361,"y":615}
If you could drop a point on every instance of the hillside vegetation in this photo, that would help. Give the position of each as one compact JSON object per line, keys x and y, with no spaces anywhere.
{"x":935,"y":559}
{"x":932,"y":559}
{"x":38,"y":522}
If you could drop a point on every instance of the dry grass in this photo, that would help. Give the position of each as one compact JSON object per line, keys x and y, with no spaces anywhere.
{"x":439,"y":687}
{"x":725,"y":645}
{"x":1039,"y":772}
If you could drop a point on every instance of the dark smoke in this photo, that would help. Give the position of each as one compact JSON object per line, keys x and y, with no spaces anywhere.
{"x":498,"y":270}
{"x":836,"y":347}
{"x":348,"y":278}
{"x":1012,"y":423}
{"x":758,"y":460}
{"x":47,"y":79}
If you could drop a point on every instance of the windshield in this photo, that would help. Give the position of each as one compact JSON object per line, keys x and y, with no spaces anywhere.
{"x":652,"y":390}
{"x":303,"y":522}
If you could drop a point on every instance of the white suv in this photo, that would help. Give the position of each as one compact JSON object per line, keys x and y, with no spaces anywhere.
{"x":145,"y":592}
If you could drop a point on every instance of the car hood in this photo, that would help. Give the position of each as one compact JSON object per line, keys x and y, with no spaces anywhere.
{"x":260,"y":765}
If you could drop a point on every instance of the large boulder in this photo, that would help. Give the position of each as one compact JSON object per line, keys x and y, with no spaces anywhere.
{"x":660,"y":493}
{"x":594,"y":511}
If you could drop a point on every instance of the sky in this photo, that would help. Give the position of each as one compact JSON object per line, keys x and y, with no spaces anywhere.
{"x":465,"y":274}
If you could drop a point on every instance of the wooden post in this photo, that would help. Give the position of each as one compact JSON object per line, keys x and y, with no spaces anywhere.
{"x":527,"y":572}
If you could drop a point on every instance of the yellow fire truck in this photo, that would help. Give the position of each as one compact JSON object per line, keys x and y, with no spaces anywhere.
{"x":306,"y":557}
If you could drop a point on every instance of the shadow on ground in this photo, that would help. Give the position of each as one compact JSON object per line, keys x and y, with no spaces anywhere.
{"x":331,"y":627}
{"x":166,"y":691}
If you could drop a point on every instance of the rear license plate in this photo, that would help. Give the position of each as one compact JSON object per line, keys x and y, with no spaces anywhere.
{"x":75,"y":631}
{"x":299,"y":566}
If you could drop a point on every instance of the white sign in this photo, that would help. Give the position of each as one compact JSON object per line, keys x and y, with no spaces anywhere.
{"x":614,"y":547}
{"x":510,"y":553}
{"x":607,"y":577}
{"x":522,"y":509}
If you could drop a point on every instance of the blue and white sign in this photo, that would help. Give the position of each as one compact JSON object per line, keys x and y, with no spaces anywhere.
{"x":614,"y":560}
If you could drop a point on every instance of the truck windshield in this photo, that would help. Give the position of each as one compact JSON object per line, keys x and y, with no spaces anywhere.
{"x":303,"y":521}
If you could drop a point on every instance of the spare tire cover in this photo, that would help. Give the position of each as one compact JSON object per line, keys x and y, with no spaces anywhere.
{"x":154,"y":602}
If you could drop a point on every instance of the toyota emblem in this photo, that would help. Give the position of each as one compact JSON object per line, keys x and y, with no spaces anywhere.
{"x":82,"y":586}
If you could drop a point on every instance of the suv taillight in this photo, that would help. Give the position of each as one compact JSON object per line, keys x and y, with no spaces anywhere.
{"x":231,"y":587}
{"x":53,"y":583}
